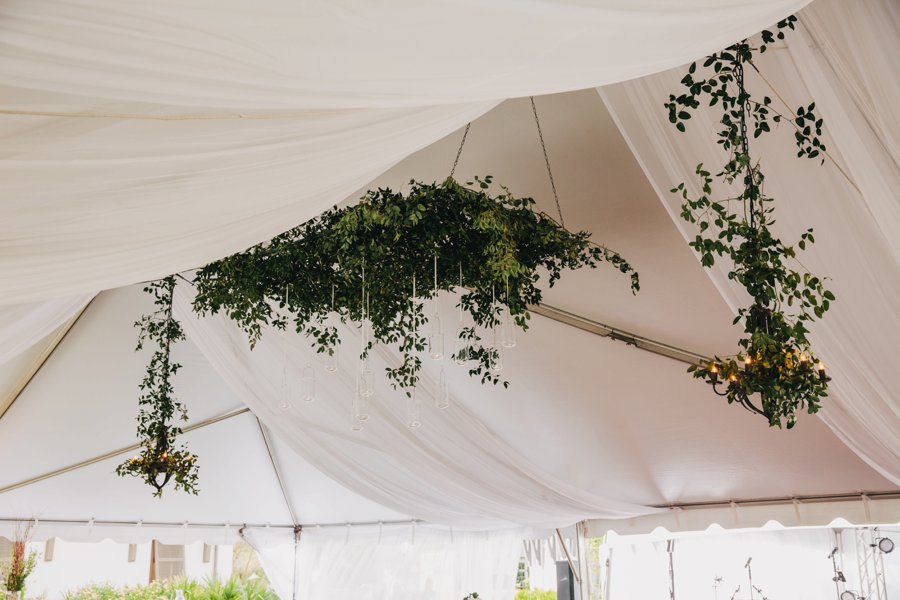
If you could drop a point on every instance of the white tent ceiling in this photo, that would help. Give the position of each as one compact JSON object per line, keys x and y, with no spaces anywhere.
{"x":608,"y":418}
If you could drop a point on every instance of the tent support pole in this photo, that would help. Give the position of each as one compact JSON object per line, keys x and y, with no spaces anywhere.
{"x":114,"y":453}
{"x":274,"y":463}
{"x":565,"y":548}
{"x":38,"y":364}
{"x":641,"y":343}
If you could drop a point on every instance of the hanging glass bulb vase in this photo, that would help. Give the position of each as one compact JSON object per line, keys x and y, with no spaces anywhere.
{"x":413,"y":410}
{"x":436,"y":338}
{"x":508,"y":328}
{"x":285,"y":403}
{"x":331,"y":358}
{"x":496,"y":358}
{"x":365,"y":381}
{"x":356,"y":424}
{"x":308,"y":383}
{"x":442,"y":392}
{"x":461,"y":345}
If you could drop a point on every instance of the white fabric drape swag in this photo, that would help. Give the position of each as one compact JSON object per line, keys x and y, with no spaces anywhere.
{"x":142,"y":139}
{"x":453,"y":471}
{"x":23,"y":325}
{"x":402,"y":562}
{"x":843,"y":58}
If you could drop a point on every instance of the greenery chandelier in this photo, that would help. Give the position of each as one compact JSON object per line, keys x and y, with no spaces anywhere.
{"x":776,"y":361}
{"x":380,"y":266}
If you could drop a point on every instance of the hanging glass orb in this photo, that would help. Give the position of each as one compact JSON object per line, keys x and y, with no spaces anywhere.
{"x":496,"y":359}
{"x":366,"y":381}
{"x":442,"y":393}
{"x":436,"y":339}
{"x":308,"y":383}
{"x":331,"y":361}
{"x":461,"y":350}
{"x":508,"y":331}
{"x":413,"y":411}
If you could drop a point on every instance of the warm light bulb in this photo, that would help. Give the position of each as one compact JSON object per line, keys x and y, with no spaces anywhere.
{"x":732,"y":377}
{"x":803,"y":358}
{"x":714,"y":369}
{"x":747,"y":360}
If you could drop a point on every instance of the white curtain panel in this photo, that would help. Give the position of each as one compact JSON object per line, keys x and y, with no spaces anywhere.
{"x":402,"y":562}
{"x":140,"y":139}
{"x":842,"y":58}
{"x":785,"y":564}
{"x":452,"y":471}
{"x":24,"y":325}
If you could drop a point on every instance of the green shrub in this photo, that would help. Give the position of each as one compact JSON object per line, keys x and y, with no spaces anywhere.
{"x":233,"y":588}
{"x":535,"y":595}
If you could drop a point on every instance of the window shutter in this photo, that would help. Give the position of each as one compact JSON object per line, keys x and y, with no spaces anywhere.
{"x":169,"y":560}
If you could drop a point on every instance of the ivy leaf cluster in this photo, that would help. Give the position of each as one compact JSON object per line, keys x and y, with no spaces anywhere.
{"x":493,"y":248}
{"x":160,"y":459}
{"x":776,"y":361}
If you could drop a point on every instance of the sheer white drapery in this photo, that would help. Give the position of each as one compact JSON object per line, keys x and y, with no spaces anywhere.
{"x":836,"y":59}
{"x":406,"y":562}
{"x":453,"y":471}
{"x":23,"y":325}
{"x":142,"y":139}
{"x":790,"y":563}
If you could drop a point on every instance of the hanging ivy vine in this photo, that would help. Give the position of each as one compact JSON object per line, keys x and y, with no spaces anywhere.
{"x":496,"y":247}
{"x":776,"y":360}
{"x":160,"y":460}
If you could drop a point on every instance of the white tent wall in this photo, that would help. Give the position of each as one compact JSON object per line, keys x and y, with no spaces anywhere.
{"x":791,"y":563}
{"x":77,"y":564}
{"x":406,"y":562}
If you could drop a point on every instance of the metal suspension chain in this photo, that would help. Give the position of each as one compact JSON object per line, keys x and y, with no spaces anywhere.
{"x":459,"y":152}
{"x":547,"y":162}
{"x":745,"y":141}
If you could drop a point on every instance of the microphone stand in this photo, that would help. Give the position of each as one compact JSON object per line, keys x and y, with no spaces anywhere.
{"x":749,"y":575}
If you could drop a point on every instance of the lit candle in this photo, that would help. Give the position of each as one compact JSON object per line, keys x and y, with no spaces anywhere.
{"x":821,"y":368}
{"x":714,"y":373}
{"x":747,"y":361}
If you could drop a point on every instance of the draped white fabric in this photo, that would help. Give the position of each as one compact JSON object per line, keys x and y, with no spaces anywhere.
{"x":23,"y":325}
{"x":407,"y":562}
{"x":142,"y":138}
{"x":837,"y":59}
{"x":350,"y":54}
{"x":97,"y":203}
{"x":453,"y":471}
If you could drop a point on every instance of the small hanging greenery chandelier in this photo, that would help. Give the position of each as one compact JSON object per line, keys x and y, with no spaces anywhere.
{"x":776,"y":362}
{"x":160,"y":459}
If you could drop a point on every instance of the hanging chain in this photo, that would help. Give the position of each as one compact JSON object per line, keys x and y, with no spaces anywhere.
{"x":745,"y":141}
{"x":459,"y":152}
{"x":547,"y":162}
